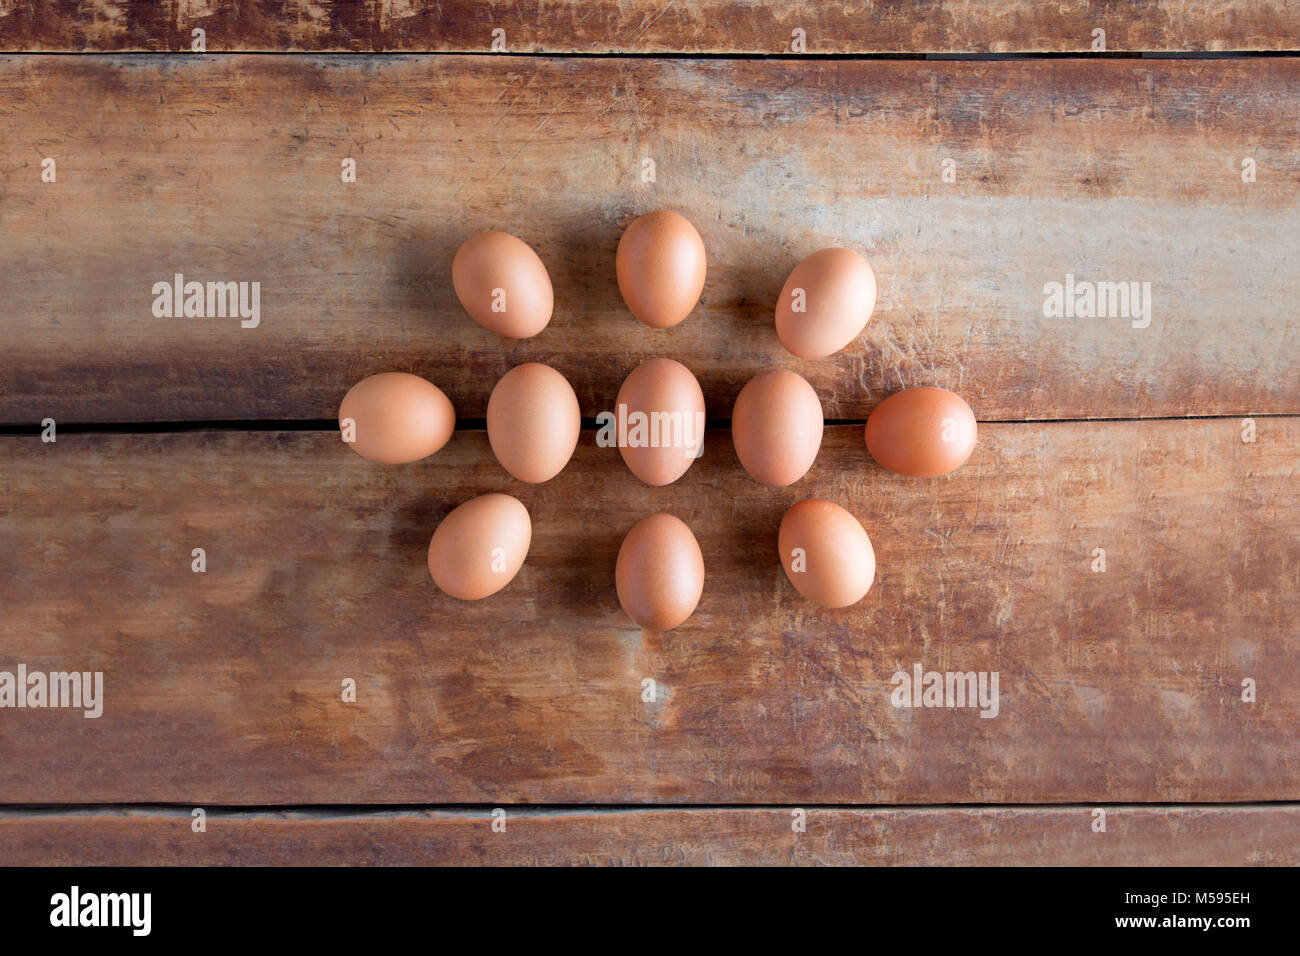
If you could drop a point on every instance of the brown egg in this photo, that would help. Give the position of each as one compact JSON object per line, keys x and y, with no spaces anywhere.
{"x":660,"y":265}
{"x":826,"y":303}
{"x":660,"y":421}
{"x":480,"y":546}
{"x":660,"y":572}
{"x":503,"y":285}
{"x":394,"y":417}
{"x":776,"y":426}
{"x":533,"y":422}
{"x":921,"y":432}
{"x":826,"y":553}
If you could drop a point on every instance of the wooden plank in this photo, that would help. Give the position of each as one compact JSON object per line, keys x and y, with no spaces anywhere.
{"x":1266,"y":835}
{"x":642,"y":26}
{"x":228,"y":169}
{"x":224,"y":687}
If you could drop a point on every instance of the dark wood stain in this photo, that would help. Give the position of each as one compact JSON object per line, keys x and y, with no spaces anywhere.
{"x":648,"y":26}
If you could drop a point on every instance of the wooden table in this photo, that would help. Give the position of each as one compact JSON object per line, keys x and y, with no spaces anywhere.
{"x":1121,"y":550}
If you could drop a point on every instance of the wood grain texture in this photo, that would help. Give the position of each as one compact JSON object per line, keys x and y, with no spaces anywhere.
{"x":228,"y":169}
{"x":224,"y":687}
{"x":650,"y":26}
{"x":983,"y":836}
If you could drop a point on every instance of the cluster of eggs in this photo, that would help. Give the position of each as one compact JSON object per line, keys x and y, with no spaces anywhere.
{"x":534,"y":422}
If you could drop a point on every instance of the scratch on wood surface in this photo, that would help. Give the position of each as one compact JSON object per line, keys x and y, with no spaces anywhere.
{"x":652,"y":21}
{"x":531,"y":136}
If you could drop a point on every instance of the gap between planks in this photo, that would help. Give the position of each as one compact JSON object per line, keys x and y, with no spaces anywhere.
{"x":480,"y":424}
{"x":349,"y":811}
{"x":609,"y":55}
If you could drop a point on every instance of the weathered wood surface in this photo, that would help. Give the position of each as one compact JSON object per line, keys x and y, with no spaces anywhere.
{"x":228,"y":169}
{"x":977,"y":836}
{"x":224,"y":687}
{"x":650,"y":26}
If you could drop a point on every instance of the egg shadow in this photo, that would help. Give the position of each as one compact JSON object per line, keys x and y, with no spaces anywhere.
{"x":757,"y":288}
{"x":584,"y":581}
{"x":412,"y":524}
{"x":421,"y":280}
{"x":581,"y":265}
